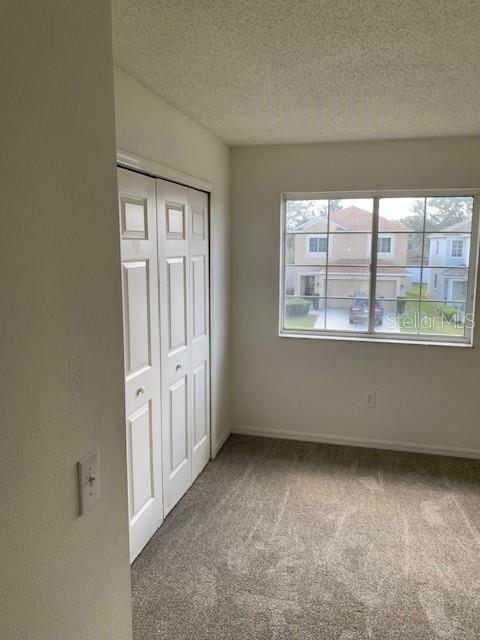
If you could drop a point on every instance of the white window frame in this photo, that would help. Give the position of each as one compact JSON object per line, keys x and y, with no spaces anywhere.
{"x":383,"y":236}
{"x":316,"y":253}
{"x":454,"y":240}
{"x":370,"y":335}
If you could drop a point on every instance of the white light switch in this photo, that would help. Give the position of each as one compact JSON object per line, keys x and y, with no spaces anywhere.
{"x":88,"y":481}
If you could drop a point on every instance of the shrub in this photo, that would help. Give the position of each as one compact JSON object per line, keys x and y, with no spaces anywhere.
{"x":296,"y":307}
{"x":449,"y":313}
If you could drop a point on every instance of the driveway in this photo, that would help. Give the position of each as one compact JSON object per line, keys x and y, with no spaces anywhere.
{"x":338,"y":319}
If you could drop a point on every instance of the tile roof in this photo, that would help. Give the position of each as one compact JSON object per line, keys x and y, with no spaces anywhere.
{"x":463,"y":225}
{"x":356,"y":219}
{"x":455,"y":273}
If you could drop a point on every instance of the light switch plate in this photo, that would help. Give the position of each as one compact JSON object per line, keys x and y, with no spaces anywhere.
{"x":88,"y":481}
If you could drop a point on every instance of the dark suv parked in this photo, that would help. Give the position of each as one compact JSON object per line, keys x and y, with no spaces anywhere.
{"x":359,"y":309}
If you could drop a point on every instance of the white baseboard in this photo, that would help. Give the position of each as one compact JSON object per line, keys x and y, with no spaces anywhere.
{"x":351,"y":441}
{"x":219,"y":443}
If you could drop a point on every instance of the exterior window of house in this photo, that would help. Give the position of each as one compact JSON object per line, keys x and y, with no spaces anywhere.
{"x":379,"y":267}
{"x":384,"y":245}
{"x":317,"y":244}
{"x":457,"y":249}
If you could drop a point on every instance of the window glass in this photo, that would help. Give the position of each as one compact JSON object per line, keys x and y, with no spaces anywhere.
{"x":418,"y":285}
{"x":318,"y":244}
{"x":384,"y":244}
{"x":456,"y":249}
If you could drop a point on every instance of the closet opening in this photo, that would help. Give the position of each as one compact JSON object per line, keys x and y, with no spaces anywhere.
{"x":164,"y":240}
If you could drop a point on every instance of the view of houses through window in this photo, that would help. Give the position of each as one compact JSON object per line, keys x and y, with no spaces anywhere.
{"x":417,"y":282}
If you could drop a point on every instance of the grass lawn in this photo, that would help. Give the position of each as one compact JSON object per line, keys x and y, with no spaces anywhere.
{"x":427,"y":319}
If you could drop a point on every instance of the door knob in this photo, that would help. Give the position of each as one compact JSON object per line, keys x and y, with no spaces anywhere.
{"x":178,"y":367}
{"x":140,"y":391}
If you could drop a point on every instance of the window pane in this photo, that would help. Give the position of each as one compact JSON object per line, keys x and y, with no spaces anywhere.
{"x":457,"y":249}
{"x":442,"y":319}
{"x":306,"y":215}
{"x":444,"y":283}
{"x":303,"y":313}
{"x":401,"y":249}
{"x":347,"y":314}
{"x":449,"y":214}
{"x":401,"y":214}
{"x":317,"y":244}
{"x":385,"y":244}
{"x":405,"y":317}
{"x":421,"y":279}
{"x":395,"y":316}
{"x":351,"y":215}
{"x":350,"y":249}
{"x":398,"y":282}
{"x":397,"y":291}
{"x":305,"y":281}
{"x":305,"y":249}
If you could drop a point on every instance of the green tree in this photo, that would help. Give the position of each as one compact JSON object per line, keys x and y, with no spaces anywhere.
{"x":301,"y":211}
{"x":441,"y":212}
{"x":415,"y":220}
{"x":335,"y":205}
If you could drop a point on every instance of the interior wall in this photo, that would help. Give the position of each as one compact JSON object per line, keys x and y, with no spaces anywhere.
{"x":62,"y":576}
{"x":316,"y":389}
{"x":148,"y":126}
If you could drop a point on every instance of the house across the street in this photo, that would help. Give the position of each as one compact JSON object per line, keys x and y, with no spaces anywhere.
{"x":331,"y":258}
{"x":449,"y":253}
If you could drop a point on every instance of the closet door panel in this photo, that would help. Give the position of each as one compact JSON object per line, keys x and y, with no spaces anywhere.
{"x":174,"y":286}
{"x":138,"y":242}
{"x":199,"y":328}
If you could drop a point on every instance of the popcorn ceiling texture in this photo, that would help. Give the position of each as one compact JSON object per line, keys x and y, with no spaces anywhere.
{"x":281,"y":71}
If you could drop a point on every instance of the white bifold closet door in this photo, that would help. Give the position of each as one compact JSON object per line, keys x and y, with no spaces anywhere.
{"x":182,"y":216}
{"x":164,"y":253}
{"x":138,"y":233}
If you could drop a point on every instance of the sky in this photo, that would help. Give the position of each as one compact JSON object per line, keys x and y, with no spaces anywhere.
{"x":391,"y":208}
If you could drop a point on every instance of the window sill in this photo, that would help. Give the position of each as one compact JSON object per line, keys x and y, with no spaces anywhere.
{"x":382,"y":339}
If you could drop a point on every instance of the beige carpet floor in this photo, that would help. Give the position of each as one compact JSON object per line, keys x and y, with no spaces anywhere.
{"x":302,"y":541}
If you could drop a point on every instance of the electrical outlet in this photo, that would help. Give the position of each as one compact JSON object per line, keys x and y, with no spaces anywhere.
{"x":371,"y":400}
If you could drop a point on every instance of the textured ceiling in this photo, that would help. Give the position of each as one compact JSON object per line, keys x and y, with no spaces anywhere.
{"x":258,"y":71}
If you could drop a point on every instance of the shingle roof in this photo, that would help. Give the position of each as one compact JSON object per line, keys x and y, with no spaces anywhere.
{"x":463,"y":225}
{"x":356,"y":219}
{"x":455,"y":273}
